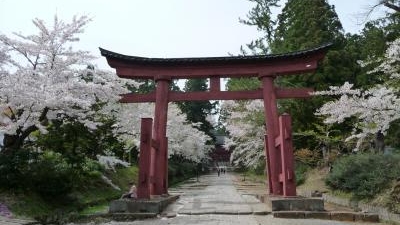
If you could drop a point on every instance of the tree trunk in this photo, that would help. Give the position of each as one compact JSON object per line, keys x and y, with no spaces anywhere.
{"x":15,"y":142}
{"x":379,"y":142}
{"x":10,"y":142}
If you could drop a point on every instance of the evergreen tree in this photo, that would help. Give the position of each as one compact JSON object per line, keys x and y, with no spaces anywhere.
{"x":197,"y":111}
{"x":304,"y":24}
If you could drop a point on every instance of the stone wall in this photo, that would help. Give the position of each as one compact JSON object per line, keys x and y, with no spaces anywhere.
{"x":383,"y":213}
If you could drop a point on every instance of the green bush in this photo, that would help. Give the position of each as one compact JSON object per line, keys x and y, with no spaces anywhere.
{"x":52,"y":176}
{"x":300,"y":171}
{"x":180,"y":170}
{"x":365,"y":175}
{"x":15,"y":169}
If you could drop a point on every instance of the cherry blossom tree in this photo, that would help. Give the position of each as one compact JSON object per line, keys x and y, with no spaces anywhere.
{"x":375,"y":108}
{"x":246,"y":126}
{"x":42,"y":78}
{"x":184,"y":138}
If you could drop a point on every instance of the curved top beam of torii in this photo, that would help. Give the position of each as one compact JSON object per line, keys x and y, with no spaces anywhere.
{"x":134,"y":67}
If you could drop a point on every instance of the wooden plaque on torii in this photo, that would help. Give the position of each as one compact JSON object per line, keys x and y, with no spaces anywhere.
{"x":153,"y":172}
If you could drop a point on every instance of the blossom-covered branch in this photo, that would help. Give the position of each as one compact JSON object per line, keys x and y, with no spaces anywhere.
{"x":42,"y":78}
{"x":375,"y":108}
{"x":245,"y":124}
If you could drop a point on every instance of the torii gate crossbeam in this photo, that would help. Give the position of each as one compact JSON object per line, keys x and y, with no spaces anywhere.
{"x":278,"y":145}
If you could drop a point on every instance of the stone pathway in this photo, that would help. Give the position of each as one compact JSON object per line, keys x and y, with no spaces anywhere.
{"x":214,"y":195}
{"x":221,"y":200}
{"x":214,"y":200}
{"x":10,"y":221}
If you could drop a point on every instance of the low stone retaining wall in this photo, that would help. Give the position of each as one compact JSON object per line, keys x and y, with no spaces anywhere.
{"x":296,"y":204}
{"x":338,"y":216}
{"x":383,"y":213}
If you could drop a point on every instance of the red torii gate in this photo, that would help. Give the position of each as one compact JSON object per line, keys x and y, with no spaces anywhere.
{"x":153,"y":165}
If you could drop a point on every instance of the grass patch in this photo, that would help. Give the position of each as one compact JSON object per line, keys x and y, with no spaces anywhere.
{"x":102,"y":208}
{"x":89,"y":199}
{"x":251,"y":175}
{"x":314,"y":179}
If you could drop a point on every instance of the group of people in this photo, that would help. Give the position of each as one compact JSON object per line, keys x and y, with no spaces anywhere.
{"x":221,"y":170}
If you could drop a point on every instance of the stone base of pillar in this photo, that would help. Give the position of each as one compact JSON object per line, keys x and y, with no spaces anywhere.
{"x":154,"y":205}
{"x":295,"y":204}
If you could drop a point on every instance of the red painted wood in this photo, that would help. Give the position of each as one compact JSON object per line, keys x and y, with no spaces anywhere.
{"x":165,"y":184}
{"x":234,"y":71}
{"x":217,"y":95}
{"x":268,"y":163}
{"x":278,"y":145}
{"x":145,"y":187}
{"x":271,"y":115}
{"x":283,"y":66}
{"x":159,"y":134}
{"x":215,"y":84}
{"x":286,"y":150}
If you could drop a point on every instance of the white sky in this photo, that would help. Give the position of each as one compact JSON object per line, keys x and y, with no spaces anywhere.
{"x":156,"y":28}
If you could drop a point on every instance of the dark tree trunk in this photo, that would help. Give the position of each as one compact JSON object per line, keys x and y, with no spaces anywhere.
{"x":379,"y":142}
{"x":15,"y":142}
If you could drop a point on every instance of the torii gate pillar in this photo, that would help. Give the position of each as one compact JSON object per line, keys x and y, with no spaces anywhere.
{"x":271,"y":118}
{"x":160,"y":135}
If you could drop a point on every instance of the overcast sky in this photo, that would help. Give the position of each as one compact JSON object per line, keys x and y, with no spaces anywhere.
{"x":157,"y":28}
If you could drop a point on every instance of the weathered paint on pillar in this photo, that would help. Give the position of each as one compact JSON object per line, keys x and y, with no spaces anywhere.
{"x":160,"y":133}
{"x":146,"y":161}
{"x":268,"y":162}
{"x":288,"y":176}
{"x":165,"y":184}
{"x":271,"y":116}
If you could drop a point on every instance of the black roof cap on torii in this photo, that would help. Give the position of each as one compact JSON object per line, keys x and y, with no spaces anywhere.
{"x":211,"y":60}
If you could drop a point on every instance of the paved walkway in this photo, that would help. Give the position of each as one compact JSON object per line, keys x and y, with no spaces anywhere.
{"x":220,"y":200}
{"x":217,"y":200}
{"x":8,"y":221}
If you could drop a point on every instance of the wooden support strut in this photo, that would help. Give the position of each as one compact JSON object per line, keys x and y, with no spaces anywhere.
{"x":146,"y":161}
{"x":286,"y":150}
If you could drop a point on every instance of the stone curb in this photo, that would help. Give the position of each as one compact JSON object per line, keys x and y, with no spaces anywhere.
{"x":339,"y":216}
{"x":223,"y":213}
{"x":118,"y":216}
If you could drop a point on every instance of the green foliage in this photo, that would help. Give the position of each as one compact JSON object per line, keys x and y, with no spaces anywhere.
{"x":302,"y":25}
{"x":123,"y":176}
{"x":48,"y":174}
{"x":305,"y":24}
{"x":301,"y":172}
{"x":241,"y":84}
{"x":365,"y":175}
{"x":15,"y":169}
{"x":307,"y":157}
{"x":197,"y":111}
{"x":92,"y":196}
{"x":180,"y":169}
{"x":52,"y":176}
{"x":76,"y":142}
